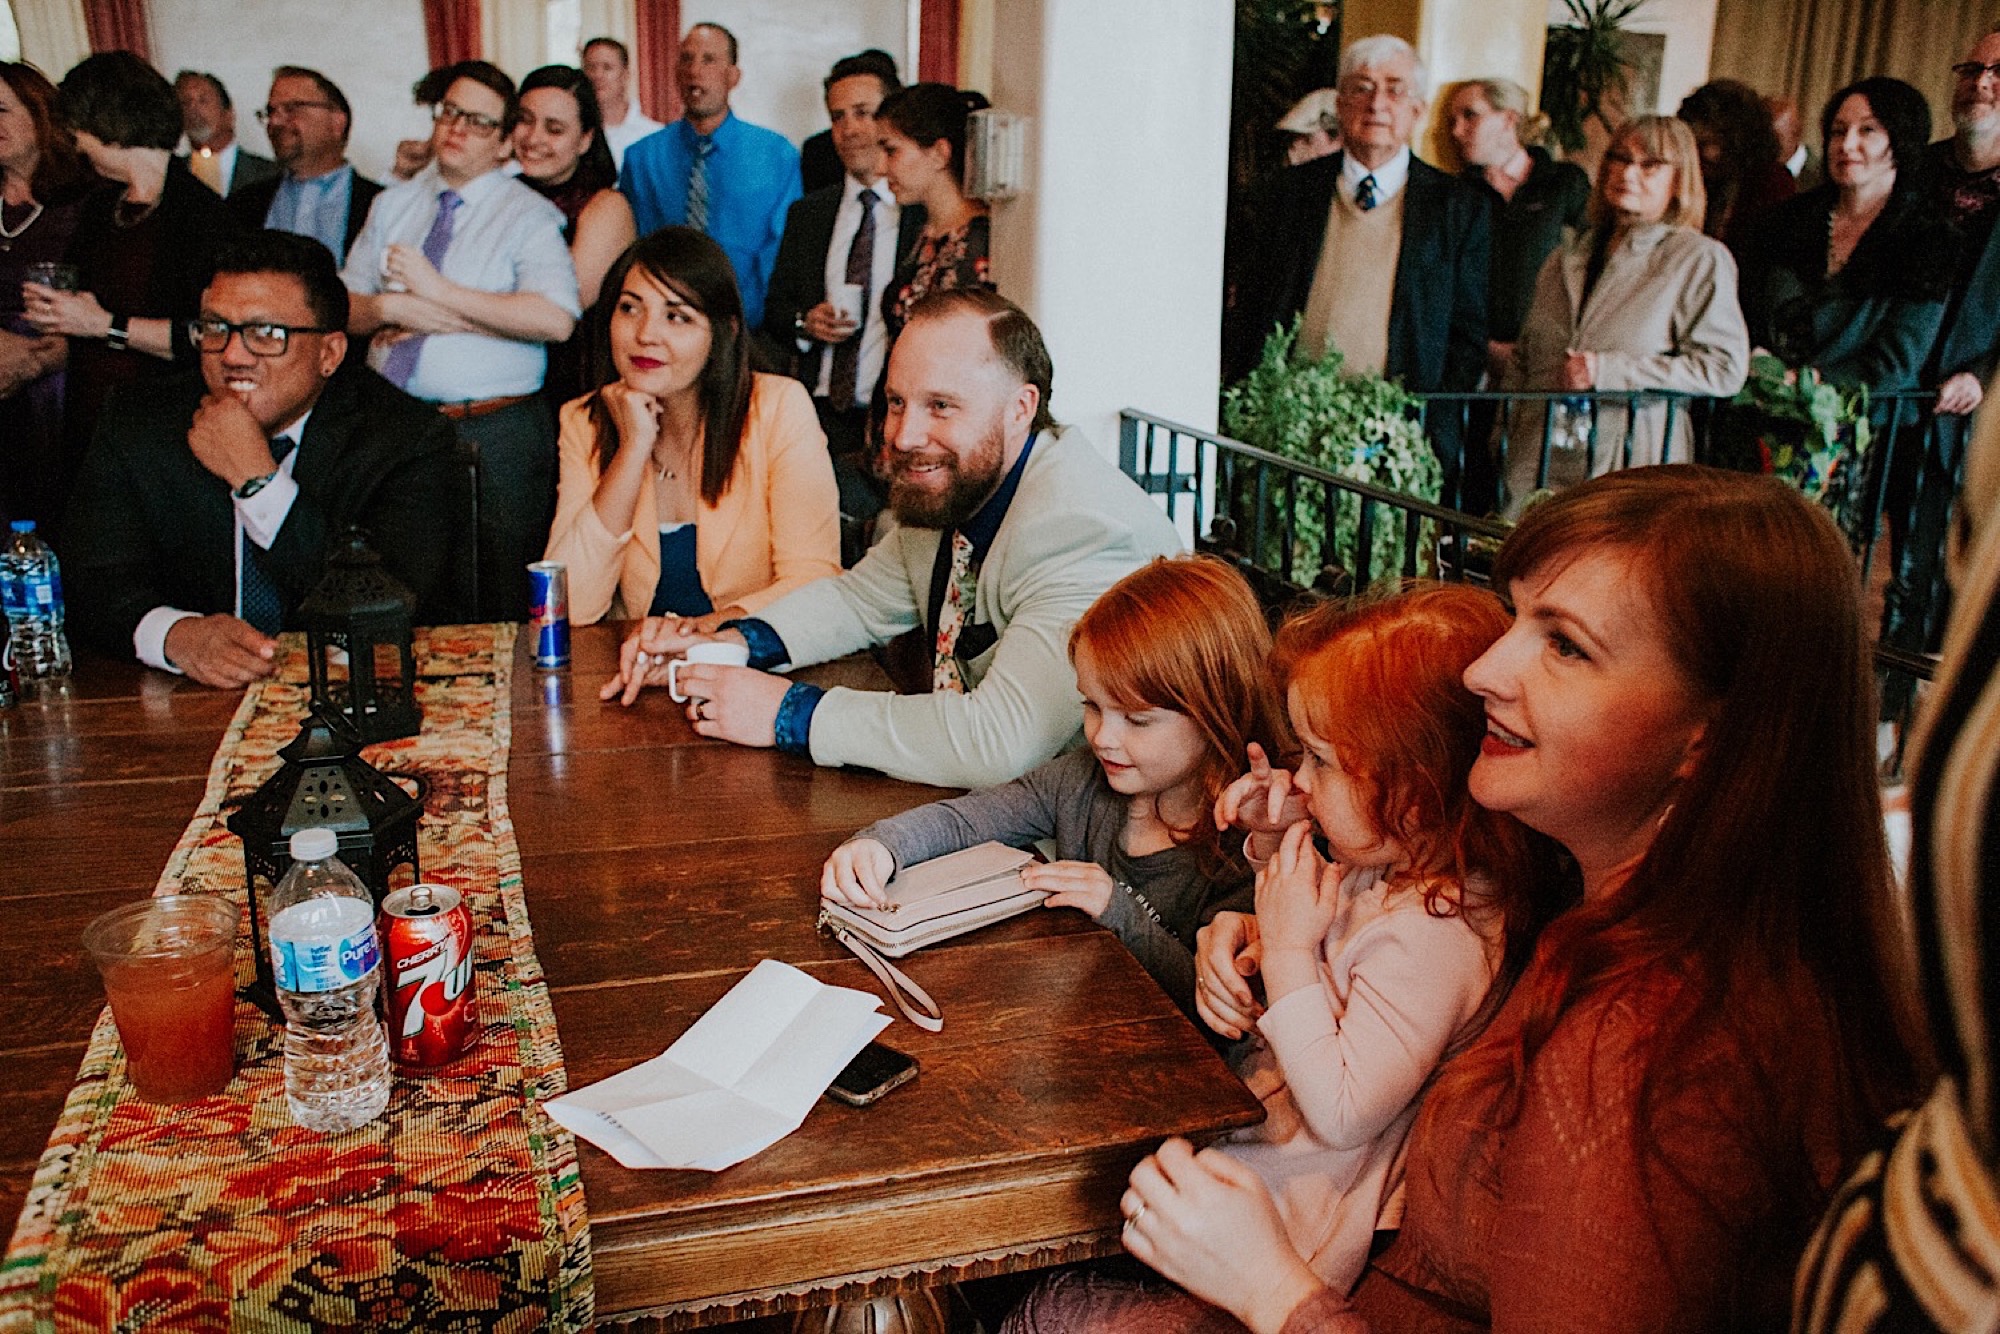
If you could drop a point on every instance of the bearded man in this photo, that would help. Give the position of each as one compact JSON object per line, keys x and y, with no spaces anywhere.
{"x":1008,"y":527}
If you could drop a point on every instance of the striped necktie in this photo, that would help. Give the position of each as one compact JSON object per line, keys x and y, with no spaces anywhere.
{"x":263,"y":605}
{"x":844,"y":386}
{"x":697,"y":205}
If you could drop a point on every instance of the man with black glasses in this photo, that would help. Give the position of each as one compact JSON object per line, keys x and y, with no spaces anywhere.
{"x":207,"y":504}
{"x":462,"y":278}
{"x":319,"y":193}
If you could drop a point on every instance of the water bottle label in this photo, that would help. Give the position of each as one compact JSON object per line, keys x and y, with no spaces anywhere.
{"x":41,"y":592}
{"x":323,"y":945}
{"x":13,"y":594}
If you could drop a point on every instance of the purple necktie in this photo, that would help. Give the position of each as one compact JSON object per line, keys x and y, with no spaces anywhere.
{"x":402,"y":360}
{"x":844,"y":387}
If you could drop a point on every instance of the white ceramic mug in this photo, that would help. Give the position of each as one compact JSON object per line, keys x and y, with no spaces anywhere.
{"x":723,"y":653}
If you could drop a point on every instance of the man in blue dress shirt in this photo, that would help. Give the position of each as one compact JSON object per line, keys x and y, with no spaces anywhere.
{"x":319,"y":194}
{"x":714,"y":172}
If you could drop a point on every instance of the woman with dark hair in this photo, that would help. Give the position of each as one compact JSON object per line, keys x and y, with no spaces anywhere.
{"x":1742,"y":166}
{"x":1644,"y":1136}
{"x":1851,"y":278}
{"x":923,"y":159}
{"x":560,"y":145}
{"x":143,"y":243}
{"x":1638,"y":300}
{"x":42,"y":185}
{"x":691,"y":485}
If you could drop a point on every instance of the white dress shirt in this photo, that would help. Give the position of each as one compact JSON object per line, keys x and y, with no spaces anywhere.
{"x":1390,"y":177}
{"x":259,"y":518}
{"x":874,"y":330}
{"x":505,"y":238}
{"x":636,"y":126}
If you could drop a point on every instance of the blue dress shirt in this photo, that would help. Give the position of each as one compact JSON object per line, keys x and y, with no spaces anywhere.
{"x":315,"y":207}
{"x":753,"y":178}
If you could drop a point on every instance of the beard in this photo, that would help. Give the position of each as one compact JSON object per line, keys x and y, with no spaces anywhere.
{"x":1976,"y":124}
{"x":970,"y":479}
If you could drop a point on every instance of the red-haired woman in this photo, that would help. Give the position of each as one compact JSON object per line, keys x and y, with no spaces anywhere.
{"x":1172,"y":664}
{"x":42,"y":184}
{"x":1644,"y":1135}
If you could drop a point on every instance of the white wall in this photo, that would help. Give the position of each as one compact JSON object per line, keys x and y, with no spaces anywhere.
{"x":787,"y":46}
{"x":1116,"y":245}
{"x":374,"y":49}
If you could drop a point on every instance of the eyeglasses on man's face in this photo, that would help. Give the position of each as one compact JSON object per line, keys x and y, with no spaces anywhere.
{"x":260,"y":338}
{"x":450,"y":113}
{"x":1971,"y":71}
{"x":290,"y":110}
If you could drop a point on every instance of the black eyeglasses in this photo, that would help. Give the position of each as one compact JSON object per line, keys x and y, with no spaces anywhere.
{"x":1970,"y":71}
{"x":449,"y":113}
{"x":259,"y":338}
{"x":290,"y":109}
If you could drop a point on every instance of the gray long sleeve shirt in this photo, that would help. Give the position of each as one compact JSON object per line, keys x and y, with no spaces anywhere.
{"x":1161,"y":897}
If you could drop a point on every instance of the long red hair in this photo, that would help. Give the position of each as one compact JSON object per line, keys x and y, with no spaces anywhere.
{"x":1186,"y":633}
{"x":1381,"y":681}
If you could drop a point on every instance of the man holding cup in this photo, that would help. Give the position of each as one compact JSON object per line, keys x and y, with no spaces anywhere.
{"x":824,"y":307}
{"x":1008,"y":527}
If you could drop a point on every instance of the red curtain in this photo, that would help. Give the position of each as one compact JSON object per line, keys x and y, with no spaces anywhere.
{"x":937,"y":42}
{"x":451,"y":30}
{"x":656,"y":46}
{"x":118,"y":25}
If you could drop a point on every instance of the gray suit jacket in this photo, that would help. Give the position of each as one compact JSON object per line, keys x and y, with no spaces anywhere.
{"x":1076,"y":526}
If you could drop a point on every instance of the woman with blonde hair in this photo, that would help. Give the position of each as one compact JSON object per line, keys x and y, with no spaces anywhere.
{"x":1640,"y":300}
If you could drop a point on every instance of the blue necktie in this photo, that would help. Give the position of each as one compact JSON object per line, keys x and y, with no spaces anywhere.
{"x":263,"y":607}
{"x":697,"y":205}
{"x":1364,"y":193}
{"x":402,"y":360}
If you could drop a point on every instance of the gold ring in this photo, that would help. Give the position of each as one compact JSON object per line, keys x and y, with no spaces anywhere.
{"x":1136,"y":1215}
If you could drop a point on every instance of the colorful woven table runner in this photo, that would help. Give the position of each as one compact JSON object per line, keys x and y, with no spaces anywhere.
{"x":460,"y":1209}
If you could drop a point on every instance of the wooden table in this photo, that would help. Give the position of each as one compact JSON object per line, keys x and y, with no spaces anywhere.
{"x":659,"y":868}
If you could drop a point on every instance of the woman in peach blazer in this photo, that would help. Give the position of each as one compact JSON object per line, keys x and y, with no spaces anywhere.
{"x":690,"y":485}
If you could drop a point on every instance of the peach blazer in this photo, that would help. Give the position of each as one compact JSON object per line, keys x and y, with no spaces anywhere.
{"x":776,"y":528}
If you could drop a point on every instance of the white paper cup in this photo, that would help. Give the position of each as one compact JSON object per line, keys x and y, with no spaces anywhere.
{"x":847,"y":298}
{"x":721,"y":653}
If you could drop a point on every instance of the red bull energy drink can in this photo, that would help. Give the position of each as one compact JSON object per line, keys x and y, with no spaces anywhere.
{"x":548,"y":601}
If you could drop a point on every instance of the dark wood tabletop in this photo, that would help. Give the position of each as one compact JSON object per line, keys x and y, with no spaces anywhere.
{"x":659,"y":869}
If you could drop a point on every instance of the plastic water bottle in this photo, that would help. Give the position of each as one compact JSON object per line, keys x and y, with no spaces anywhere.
{"x":327,"y":962}
{"x":31,"y":587}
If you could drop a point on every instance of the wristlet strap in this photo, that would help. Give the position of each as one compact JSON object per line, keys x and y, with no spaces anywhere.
{"x":925,"y":1013}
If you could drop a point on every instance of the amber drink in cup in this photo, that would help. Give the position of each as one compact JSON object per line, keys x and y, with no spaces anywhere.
{"x":169,"y":968}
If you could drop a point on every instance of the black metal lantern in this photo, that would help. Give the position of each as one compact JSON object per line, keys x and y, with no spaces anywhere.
{"x":358,"y":624}
{"x":323,"y":784}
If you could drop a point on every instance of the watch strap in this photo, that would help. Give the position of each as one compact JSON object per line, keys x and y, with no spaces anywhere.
{"x":253,"y":485}
{"x":119,"y":335}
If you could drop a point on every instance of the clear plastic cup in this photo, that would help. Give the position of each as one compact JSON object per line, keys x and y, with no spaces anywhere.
{"x":51,"y":273}
{"x":169,"y":968}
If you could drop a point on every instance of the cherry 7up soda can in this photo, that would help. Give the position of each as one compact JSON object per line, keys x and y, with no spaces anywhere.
{"x":548,"y":603}
{"x":427,"y":961}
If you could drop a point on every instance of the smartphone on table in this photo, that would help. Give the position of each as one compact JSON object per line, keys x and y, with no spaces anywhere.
{"x":871,"y":1074}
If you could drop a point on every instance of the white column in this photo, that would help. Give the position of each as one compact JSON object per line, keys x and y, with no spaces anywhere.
{"x":1115,"y":247}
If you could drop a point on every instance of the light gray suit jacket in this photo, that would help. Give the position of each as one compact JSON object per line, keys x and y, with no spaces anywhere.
{"x":1076,"y":526}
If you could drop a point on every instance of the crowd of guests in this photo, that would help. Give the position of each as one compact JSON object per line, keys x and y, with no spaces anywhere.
{"x":1695,"y":247}
{"x":1552,"y":924}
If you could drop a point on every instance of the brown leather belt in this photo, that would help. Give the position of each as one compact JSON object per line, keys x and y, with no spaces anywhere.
{"x":481,"y":407}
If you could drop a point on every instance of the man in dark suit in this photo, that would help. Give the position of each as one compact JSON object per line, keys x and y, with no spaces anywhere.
{"x":1384,"y":257}
{"x":819,"y":162}
{"x":208,"y":118}
{"x":197,"y":527}
{"x":318,"y":193}
{"x":843,"y":242}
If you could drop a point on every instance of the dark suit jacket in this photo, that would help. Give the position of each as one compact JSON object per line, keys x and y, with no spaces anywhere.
{"x":798,"y":278}
{"x":251,"y":169}
{"x":149,"y":526}
{"x":819,"y":164}
{"x":1437,"y":316}
{"x":1970,"y":340}
{"x":251,"y":203}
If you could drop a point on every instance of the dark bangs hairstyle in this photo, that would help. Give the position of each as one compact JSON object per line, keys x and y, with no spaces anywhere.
{"x":927,"y":113}
{"x":594,"y":168}
{"x":1186,"y":633}
{"x":693,"y":267}
{"x":61,"y":174}
{"x":1905,"y":116}
{"x":121,"y":100}
{"x":1764,"y":902}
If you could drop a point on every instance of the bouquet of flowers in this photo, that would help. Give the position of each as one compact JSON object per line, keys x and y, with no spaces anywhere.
{"x":1805,"y":431}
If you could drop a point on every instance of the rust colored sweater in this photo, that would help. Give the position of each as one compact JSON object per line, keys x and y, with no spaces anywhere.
{"x":1562,"y":1225}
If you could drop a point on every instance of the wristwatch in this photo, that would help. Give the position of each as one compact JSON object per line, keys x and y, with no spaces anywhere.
{"x":119,"y":335}
{"x":251,"y":486}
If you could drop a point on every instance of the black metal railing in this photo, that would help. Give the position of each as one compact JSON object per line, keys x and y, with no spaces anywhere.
{"x":1244,"y":504}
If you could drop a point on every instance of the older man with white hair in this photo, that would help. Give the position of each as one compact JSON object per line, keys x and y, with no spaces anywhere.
{"x":1383,"y":256}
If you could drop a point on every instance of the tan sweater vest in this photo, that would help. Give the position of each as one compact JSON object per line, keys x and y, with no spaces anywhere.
{"x":1354,"y":284}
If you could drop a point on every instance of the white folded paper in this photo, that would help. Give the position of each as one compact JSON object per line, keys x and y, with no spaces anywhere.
{"x":739,"y":1080}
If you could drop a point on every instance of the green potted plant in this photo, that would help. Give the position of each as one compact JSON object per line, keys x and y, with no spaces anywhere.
{"x":1798,"y":427}
{"x":1585,"y":68}
{"x":1358,"y":426}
